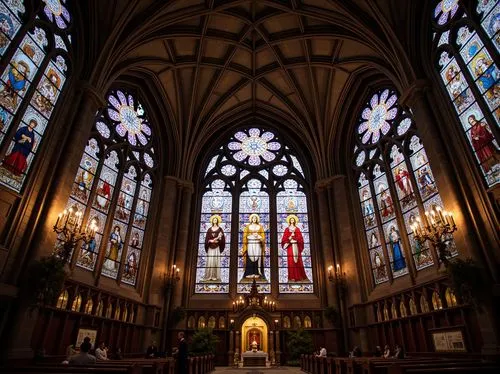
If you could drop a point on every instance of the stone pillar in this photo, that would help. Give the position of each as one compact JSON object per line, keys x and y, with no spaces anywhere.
{"x":272,"y":357}
{"x":278,"y":351}
{"x":453,"y":195}
{"x":230,"y":354}
{"x":20,"y":344}
{"x":238,"y":344}
{"x":91,"y":101}
{"x":164,"y":240}
{"x":184,"y":227}
{"x":326,"y":235}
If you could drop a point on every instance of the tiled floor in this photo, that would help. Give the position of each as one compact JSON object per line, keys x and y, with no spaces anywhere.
{"x":271,"y":370}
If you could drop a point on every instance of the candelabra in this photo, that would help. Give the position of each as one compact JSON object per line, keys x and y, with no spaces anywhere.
{"x":238,"y":304}
{"x":436,"y":227}
{"x":338,"y":278}
{"x":170,"y":278}
{"x":69,"y":224}
{"x":254,"y":299}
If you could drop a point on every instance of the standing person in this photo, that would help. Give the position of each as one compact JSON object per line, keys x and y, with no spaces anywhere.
{"x":182,"y":356}
{"x":215,"y":243}
{"x":293,"y":242}
{"x":152,"y":350}
{"x":254,"y":244}
{"x":101,"y":354}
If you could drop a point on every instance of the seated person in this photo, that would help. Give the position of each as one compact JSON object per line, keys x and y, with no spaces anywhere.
{"x":101,"y":353}
{"x":399,"y":352}
{"x":83,"y":358}
{"x":387,"y":351}
{"x":322,"y":352}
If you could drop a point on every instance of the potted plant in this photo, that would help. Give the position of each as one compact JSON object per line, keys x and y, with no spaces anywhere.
{"x":45,"y":280}
{"x":467,"y":281}
{"x":298,"y":342}
{"x":203,"y":342}
{"x":332,"y":314}
{"x":178,"y":314}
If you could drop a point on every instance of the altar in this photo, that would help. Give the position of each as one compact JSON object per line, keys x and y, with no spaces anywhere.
{"x":257,"y":358}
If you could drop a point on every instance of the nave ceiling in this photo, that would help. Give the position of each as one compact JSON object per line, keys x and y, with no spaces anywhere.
{"x":212,"y":64}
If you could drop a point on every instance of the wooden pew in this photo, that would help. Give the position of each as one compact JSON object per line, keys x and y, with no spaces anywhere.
{"x":67,"y":369}
{"x":430,"y":369}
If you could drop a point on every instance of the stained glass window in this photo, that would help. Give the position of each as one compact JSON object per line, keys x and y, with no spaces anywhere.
{"x":31,"y":81}
{"x":395,"y":184}
{"x":113,"y":187}
{"x":256,"y":172}
{"x":465,"y":48}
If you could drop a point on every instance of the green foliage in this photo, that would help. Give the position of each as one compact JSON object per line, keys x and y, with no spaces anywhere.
{"x":467,"y":281}
{"x":178,"y":314}
{"x":298,"y":342}
{"x":332,"y":314}
{"x":293,"y":363}
{"x":204,"y":342}
{"x":45,"y":280}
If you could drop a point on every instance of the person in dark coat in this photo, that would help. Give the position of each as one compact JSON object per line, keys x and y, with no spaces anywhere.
{"x":152,"y":350}
{"x":182,"y":355}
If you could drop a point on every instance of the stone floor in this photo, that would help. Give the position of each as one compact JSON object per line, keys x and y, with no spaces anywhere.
{"x":270,"y":370}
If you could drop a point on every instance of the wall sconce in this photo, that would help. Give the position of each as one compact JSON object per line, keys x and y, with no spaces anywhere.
{"x":69,"y":223}
{"x":338,"y":278}
{"x":231,"y":324}
{"x":172,"y":277}
{"x":436,"y":227}
{"x":276,"y":324}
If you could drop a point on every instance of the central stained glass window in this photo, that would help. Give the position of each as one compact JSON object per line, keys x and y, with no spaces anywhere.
{"x":258,"y":173}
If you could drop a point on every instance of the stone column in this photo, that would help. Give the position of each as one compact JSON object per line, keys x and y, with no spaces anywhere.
{"x":326,"y":235}
{"x":278,"y":351}
{"x":230,"y":354}
{"x":454,"y":196}
{"x":184,"y":228}
{"x":238,"y":344}
{"x":91,"y":101}
{"x":272,"y":357}
{"x":20,"y":344}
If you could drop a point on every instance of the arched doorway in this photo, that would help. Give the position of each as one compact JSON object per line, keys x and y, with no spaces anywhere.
{"x":254,"y":329}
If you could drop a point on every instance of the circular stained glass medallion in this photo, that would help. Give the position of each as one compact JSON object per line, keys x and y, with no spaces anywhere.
{"x":254,"y":146}
{"x":376,"y":117}
{"x":445,"y":10}
{"x":131,"y":122}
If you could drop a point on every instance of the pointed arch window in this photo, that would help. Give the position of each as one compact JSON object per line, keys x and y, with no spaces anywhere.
{"x":258,"y":173}
{"x":395,"y":185}
{"x":34,"y":50}
{"x":466,"y":46}
{"x":113,"y":187}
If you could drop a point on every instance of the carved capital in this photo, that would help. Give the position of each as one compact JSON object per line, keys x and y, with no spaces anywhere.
{"x":327,"y":183}
{"x":179,"y":183}
{"x":92,"y":94}
{"x":415,"y":92}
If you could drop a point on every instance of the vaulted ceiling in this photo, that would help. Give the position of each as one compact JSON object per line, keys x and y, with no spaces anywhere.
{"x":295,"y":62}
